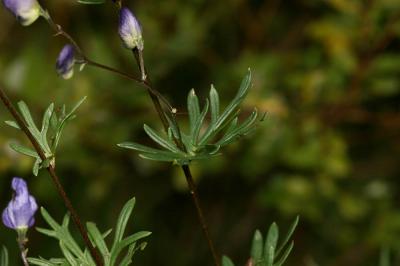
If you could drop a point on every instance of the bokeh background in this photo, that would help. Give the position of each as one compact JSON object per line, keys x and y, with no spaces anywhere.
{"x":327,"y":72}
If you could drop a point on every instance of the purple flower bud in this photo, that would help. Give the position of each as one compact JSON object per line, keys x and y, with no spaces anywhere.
{"x":65,"y":62}
{"x":130,"y":30}
{"x":26,"y":11}
{"x":20,"y":212}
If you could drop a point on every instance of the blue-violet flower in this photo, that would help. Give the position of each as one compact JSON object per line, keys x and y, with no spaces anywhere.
{"x":65,"y":62}
{"x":19,"y":214}
{"x":26,"y":11}
{"x":129,"y":30}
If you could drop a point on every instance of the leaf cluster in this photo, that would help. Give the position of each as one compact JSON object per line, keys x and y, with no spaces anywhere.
{"x":74,"y":255}
{"x":203,"y":140}
{"x":48,"y":137}
{"x":268,"y":252}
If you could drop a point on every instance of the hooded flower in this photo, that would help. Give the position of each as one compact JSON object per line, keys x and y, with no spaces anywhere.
{"x":20,"y":212}
{"x":26,"y":11}
{"x":130,"y":30}
{"x":65,"y":62}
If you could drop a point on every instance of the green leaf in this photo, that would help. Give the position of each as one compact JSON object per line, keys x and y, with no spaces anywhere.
{"x":46,"y":216}
{"x":4,"y":256}
{"x":163,"y":157}
{"x":91,"y":2}
{"x":214,"y":102}
{"x":257,"y":247}
{"x":288,"y":235}
{"x":245,"y":85}
{"x":285,"y":255}
{"x":151,"y":153}
{"x":199,"y":123}
{"x":45,"y":124}
{"x":47,"y":232}
{"x":36,"y":167}
{"x":12,"y":124}
{"x":63,"y":234}
{"x":193,"y":110}
{"x":53,"y":123}
{"x":384,"y":259}
{"x":24,"y":150}
{"x":235,"y":131}
{"x":123,"y":220}
{"x":98,"y":240}
{"x":76,"y":106}
{"x":65,"y":118}
{"x":128,"y":257}
{"x":26,"y":114}
{"x":270,"y":244}
{"x":161,"y":141}
{"x":41,"y":262}
{"x":68,"y":255}
{"x":227,"y":261}
{"x":230,"y":112}
{"x":173,"y":126}
{"x":126,"y":242}
{"x":141,"y":148}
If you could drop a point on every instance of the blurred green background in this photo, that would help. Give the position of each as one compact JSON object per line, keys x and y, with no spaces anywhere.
{"x":327,"y":72}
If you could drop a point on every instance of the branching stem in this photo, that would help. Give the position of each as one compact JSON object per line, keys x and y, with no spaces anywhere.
{"x":56,"y":180}
{"x":185,"y":168}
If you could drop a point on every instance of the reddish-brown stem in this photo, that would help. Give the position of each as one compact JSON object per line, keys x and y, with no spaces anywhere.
{"x":200,"y":215}
{"x":56,"y":180}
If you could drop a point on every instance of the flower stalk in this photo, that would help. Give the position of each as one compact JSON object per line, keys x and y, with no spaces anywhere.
{"x":22,"y":240}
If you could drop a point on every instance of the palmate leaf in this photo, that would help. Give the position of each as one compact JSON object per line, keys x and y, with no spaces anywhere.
{"x":267,"y":254}
{"x":230,"y":111}
{"x":74,"y":255}
{"x":47,"y":137}
{"x":202,"y":141}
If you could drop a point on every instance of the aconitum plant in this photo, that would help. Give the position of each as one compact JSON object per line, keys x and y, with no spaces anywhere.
{"x":211,"y":128}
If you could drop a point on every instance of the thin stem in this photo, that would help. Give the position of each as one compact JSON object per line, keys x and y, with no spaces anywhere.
{"x":23,"y":254}
{"x":139,"y":59}
{"x":59,"y":31}
{"x":185,"y":168}
{"x":56,"y":180}
{"x":200,"y":215}
{"x":133,"y":78}
{"x":22,"y":240}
